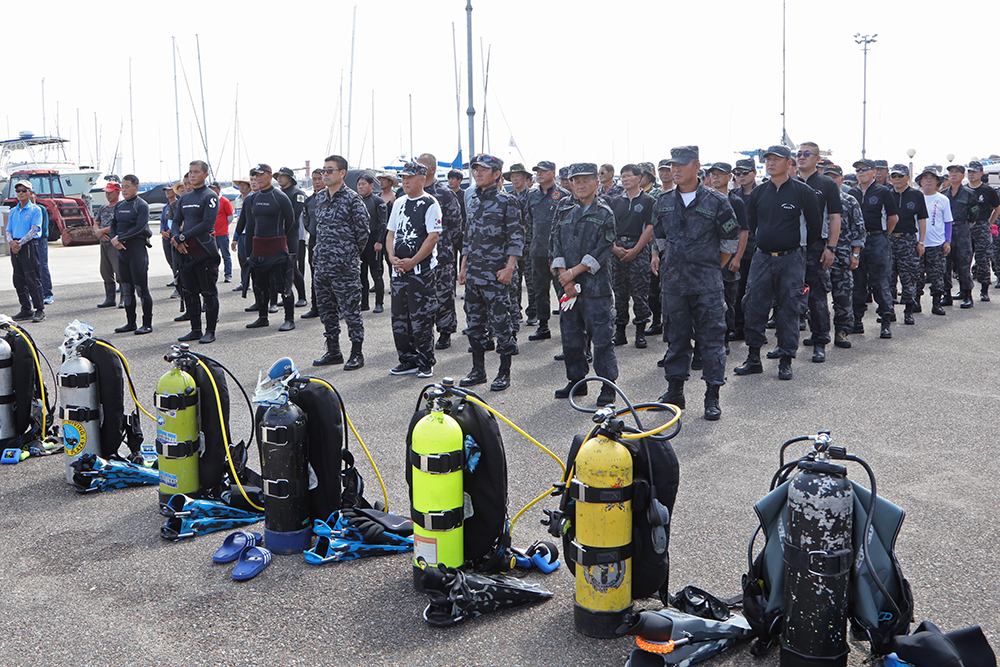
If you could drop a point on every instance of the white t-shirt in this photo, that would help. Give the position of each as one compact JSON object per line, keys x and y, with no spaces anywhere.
{"x":411,"y":221}
{"x":688,"y":197}
{"x":938,"y":213}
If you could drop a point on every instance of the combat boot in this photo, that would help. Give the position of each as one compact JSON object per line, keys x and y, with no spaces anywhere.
{"x":908,"y":315}
{"x":752,"y":364}
{"x":655,"y":328}
{"x":785,"y":368}
{"x":675,"y":394}
{"x":502,"y":380}
{"x":936,"y":308}
{"x":333,"y":354}
{"x":819,"y":353}
{"x":712,"y":409}
{"x":946,"y":300}
{"x":886,"y":332}
{"x":966,"y":300}
{"x":640,"y":336}
{"x":916,"y":305}
{"x":357,"y":359}
{"x":478,"y":373}
{"x":984,"y":292}
{"x":620,"y":338}
{"x":841,"y":340}
{"x":696,"y":361}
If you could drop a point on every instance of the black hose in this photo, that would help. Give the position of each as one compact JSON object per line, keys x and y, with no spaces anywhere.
{"x":781,"y":453}
{"x":242,"y":391}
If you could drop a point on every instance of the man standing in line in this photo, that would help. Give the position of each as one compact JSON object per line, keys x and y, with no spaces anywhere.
{"x":631,"y":252}
{"x":109,"y":256}
{"x":270,"y":227}
{"x":24,"y":224}
{"x":937,"y":240}
{"x":446,"y":319}
{"x":191,"y":235}
{"x":880,"y":214}
{"x":849,"y":245}
{"x":130,"y":236}
{"x":341,"y":234}
{"x":987,"y":207}
{"x":296,"y":238}
{"x":608,"y":187}
{"x":697,"y":232}
{"x":238,"y":245}
{"x":521,"y":178}
{"x":43,"y":253}
{"x":168,"y":252}
{"x":745,"y":173}
{"x":959,"y":260}
{"x":655,"y":297}
{"x":309,"y":224}
{"x":539,"y":208}
{"x":907,"y":238}
{"x":493,"y":243}
{"x":222,"y":222}
{"x":371,"y":260}
{"x":721,"y":175}
{"x":882,"y":172}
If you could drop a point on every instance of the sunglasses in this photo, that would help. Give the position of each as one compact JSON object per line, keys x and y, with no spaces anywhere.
{"x":20,"y":190}
{"x":861,"y":169}
{"x":329,"y":170}
{"x":803,"y":154}
{"x":741,"y":172}
{"x":897,"y":175}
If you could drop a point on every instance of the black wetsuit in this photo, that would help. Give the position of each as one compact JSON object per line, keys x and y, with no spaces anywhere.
{"x":193,"y":226}
{"x":270,"y":229}
{"x":297,"y":245}
{"x":131,"y":225}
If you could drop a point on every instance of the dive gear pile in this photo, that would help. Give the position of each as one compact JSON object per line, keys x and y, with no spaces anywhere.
{"x":27,"y":409}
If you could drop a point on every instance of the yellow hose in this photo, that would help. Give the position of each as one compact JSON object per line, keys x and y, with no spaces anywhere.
{"x":385,"y":495}
{"x":646,"y":434}
{"x":38,"y":367}
{"x":128,"y":373}
{"x":225,"y":436}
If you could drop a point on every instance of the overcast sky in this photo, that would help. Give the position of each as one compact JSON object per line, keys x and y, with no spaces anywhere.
{"x":569,"y":81}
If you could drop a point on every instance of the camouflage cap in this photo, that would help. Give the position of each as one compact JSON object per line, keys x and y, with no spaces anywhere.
{"x":930,"y":169}
{"x":960,"y":167}
{"x":582,"y":169}
{"x":724,"y":167}
{"x":664,"y":164}
{"x":746,"y":163}
{"x":544,"y":165}
{"x":864,"y":162}
{"x":881,"y":164}
{"x":516,"y":168}
{"x":834,"y":169}
{"x":564,"y":172}
{"x":412,"y":168}
{"x":975,"y":165}
{"x":488,"y":161}
{"x":648,"y":168}
{"x":900,"y":169}
{"x":780,"y":151}
{"x":683,"y":154}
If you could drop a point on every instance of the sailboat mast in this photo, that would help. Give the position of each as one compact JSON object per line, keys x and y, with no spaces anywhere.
{"x":458,"y":101}
{"x":177,"y":108}
{"x":131,"y":116}
{"x":373,"y":128}
{"x":471,"y":111}
{"x":350,"y":85}
{"x":43,"y":106}
{"x":204,"y":116}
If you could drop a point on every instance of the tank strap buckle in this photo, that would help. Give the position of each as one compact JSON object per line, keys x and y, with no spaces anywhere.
{"x":177,"y":450}
{"x":174,"y":401}
{"x":590,"y":556}
{"x":76,"y":413}
{"x":6,"y":399}
{"x":274,"y":435}
{"x":281,"y":489}
{"x":77,"y":380}
{"x":820,"y":563}
{"x":437,"y":464}
{"x":446,"y":520}
{"x":598,"y":495}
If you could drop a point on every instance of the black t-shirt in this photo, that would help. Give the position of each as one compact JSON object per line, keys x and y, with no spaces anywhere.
{"x":740,"y":209}
{"x":877,"y":204}
{"x":828,"y":195}
{"x":912,"y":207}
{"x":786,"y":217}
{"x":632,"y":216}
{"x":986,"y":200}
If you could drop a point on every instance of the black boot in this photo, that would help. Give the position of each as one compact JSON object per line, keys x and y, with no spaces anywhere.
{"x":819,"y":353}
{"x":785,"y":368}
{"x":129,"y":326}
{"x":542,"y":332}
{"x":563,"y":392}
{"x":478,"y":373}
{"x":916,"y":305}
{"x":309,"y":314}
{"x":607,"y":395}
{"x":357,"y":359}
{"x":289,"y":307}
{"x":908,"y":315}
{"x":946,"y":300}
{"x":966,"y":300}
{"x":984,"y":292}
{"x":936,"y":308}
{"x":333,"y":354}
{"x":675,"y":394}
{"x":502,"y":380}
{"x":640,"y":336}
{"x":712,"y":409}
{"x":444,"y":342}
{"x":752,"y":364}
{"x":147,"y":324}
{"x":619,"y":338}
{"x":109,"y":298}
{"x":655,"y":328}
{"x":696,"y":361}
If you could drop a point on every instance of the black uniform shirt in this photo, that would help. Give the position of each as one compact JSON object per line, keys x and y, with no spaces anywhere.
{"x":786,"y":217}
{"x":632,"y":216}
{"x":828,"y":195}
{"x":298,"y":199}
{"x":877,"y":204}
{"x":912,"y":207}
{"x":131,"y":220}
{"x":961,"y":203}
{"x":986,"y":201}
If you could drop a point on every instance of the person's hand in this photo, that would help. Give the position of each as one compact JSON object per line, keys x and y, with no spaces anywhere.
{"x":827,"y":258}
{"x":947,"y":248}
{"x":854,"y":262}
{"x":734,"y":265}
{"x":654,"y":264}
{"x":461,"y":276}
{"x":15,"y":247}
{"x":378,"y":246}
{"x":571,"y":290}
{"x":118,"y":244}
{"x":505,"y":275}
{"x":618,"y":251}
{"x":920,"y":250}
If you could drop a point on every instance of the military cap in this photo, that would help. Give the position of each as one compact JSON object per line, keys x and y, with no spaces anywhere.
{"x":746,"y":163}
{"x":834,"y":169}
{"x":825,"y":162}
{"x":957,"y":166}
{"x":724,"y":167}
{"x":488,"y":161}
{"x":881,"y":164}
{"x":683,"y":154}
{"x":516,"y":168}
{"x":664,"y":163}
{"x":928,"y":170}
{"x":412,"y":168}
{"x":261,"y":168}
{"x":851,"y":179}
{"x":975,"y":165}
{"x":900,"y":169}
{"x":544,"y":165}
{"x":582,"y":169}
{"x":864,"y":162}
{"x":564,"y":172}
{"x":648,"y":168}
{"x":780,"y":151}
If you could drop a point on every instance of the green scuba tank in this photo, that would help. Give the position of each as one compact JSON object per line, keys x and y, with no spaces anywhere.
{"x":177,"y":441}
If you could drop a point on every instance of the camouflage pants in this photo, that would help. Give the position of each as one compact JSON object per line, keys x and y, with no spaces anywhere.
{"x":414,"y":301}
{"x":531,"y":310}
{"x":959,"y":260}
{"x":818,"y":280}
{"x":338,"y":295}
{"x":446,"y":319}
{"x":514,"y":299}
{"x":842,"y":290}
{"x":933,"y":263}
{"x":981,"y":246}
{"x":591,"y":320}
{"x":487,"y":307}
{"x":700,"y":317}
{"x":631,"y":279}
{"x":873,"y":271}
{"x":906,"y":264}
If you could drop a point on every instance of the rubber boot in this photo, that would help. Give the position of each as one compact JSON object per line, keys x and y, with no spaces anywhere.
{"x":752,"y":364}
{"x":712,"y":409}
{"x":289,"y":306}
{"x":147,"y":323}
{"x":984,"y":292}
{"x":937,"y":308}
{"x":620,"y":338}
{"x":357,"y":359}
{"x":675,"y":394}
{"x":640,"y":336}
{"x":502,"y":380}
{"x":333,"y":354}
{"x":109,"y":298}
{"x":966,"y":300}
{"x":478,"y":373}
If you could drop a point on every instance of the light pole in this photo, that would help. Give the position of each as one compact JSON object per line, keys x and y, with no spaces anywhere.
{"x":910,"y":152}
{"x":866,"y":40}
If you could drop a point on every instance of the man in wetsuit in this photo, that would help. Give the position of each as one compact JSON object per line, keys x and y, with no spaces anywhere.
{"x":130,"y":234}
{"x":191,"y":234}
{"x":296,"y":245}
{"x":271,"y":227}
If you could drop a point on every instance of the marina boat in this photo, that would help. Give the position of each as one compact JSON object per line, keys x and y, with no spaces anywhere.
{"x":46,"y":153}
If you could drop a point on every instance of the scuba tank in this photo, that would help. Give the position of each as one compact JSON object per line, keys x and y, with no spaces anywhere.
{"x":602,"y":550}
{"x":437,"y":463}
{"x":177,"y":433}
{"x":6,"y":391}
{"x":79,"y":407}
{"x":281,"y":434}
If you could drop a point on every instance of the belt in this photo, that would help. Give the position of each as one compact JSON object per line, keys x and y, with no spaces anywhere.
{"x":780,"y":253}
{"x":870,"y":233}
{"x":899,"y":235}
{"x":628,"y":238}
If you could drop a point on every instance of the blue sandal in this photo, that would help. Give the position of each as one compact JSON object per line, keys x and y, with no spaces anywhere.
{"x":234,"y":545}
{"x":252,"y":562}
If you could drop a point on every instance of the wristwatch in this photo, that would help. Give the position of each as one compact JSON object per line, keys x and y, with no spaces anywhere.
{"x":181,"y":238}
{"x":856,"y":255}
{"x":832,"y":248}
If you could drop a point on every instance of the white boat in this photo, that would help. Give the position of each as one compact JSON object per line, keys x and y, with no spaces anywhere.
{"x":31,"y":152}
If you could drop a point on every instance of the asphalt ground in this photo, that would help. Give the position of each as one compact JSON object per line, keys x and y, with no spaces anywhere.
{"x":88,"y":580}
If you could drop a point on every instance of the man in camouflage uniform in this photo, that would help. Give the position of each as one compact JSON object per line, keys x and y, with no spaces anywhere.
{"x":959,"y":260}
{"x":309,"y":223}
{"x":608,"y":187}
{"x":583,"y":232}
{"x":849,"y":246}
{"x":521,"y":178}
{"x":655,"y":298}
{"x":630,"y":263}
{"x":986,"y":208}
{"x":493,"y":242}
{"x":564,"y":181}
{"x":908,"y":232}
{"x":451,"y":231}
{"x":647,"y":182}
{"x":540,"y":206}
{"x":341,"y":234}
{"x":697,"y":235}
{"x":721,"y":174}
{"x":745,"y":174}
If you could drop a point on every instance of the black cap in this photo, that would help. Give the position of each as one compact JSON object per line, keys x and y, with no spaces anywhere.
{"x":957,"y":166}
{"x":864,"y":162}
{"x":746,"y":163}
{"x":683,"y":155}
{"x":834,"y":169}
{"x":544,"y":165}
{"x":665,"y":162}
{"x":780,"y":151}
{"x":261,"y":168}
{"x":724,"y":167}
{"x":285,"y":171}
{"x":881,"y":164}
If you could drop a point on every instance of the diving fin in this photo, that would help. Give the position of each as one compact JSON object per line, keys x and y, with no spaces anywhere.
{"x":671,"y":637}
{"x":358,"y":526}
{"x":92,"y":473}
{"x":456,"y":595}
{"x":338,"y":550}
{"x":182,"y":527}
{"x":180,"y":505}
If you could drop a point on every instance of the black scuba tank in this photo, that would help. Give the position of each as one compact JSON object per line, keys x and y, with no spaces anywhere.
{"x":281,"y":432}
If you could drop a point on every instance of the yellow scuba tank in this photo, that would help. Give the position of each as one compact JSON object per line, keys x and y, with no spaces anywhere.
{"x":602,"y":550}
{"x":437,"y":502}
{"x":177,"y":439}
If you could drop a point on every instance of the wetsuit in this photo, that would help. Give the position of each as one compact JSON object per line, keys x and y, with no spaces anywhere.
{"x":296,"y":240}
{"x":271,"y":228}
{"x":193,"y":226}
{"x":131,"y":225}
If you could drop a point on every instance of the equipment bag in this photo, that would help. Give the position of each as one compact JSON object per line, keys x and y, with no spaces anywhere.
{"x":213,"y":464}
{"x":27,"y":383}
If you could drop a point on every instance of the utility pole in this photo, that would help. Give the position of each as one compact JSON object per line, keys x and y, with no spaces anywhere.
{"x":866,"y":40}
{"x":471,"y":110}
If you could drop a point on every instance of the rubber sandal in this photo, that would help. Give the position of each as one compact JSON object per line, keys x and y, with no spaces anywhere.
{"x":252,"y":562}
{"x":338,"y":550}
{"x":234,"y":544}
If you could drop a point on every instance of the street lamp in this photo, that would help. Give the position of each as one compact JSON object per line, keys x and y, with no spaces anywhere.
{"x":866,"y":40}
{"x":910,"y":152}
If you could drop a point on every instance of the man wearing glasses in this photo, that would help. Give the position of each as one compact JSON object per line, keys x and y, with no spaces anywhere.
{"x":959,"y":260}
{"x":341,"y":235}
{"x":880,"y":214}
{"x":24,"y":224}
{"x":907,"y":238}
{"x":987,"y":207}
{"x":608,"y":187}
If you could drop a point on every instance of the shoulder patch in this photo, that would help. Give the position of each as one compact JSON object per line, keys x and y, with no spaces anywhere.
{"x":729,"y":225}
{"x":609,"y":235}
{"x":301,"y":198}
{"x":556,"y":195}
